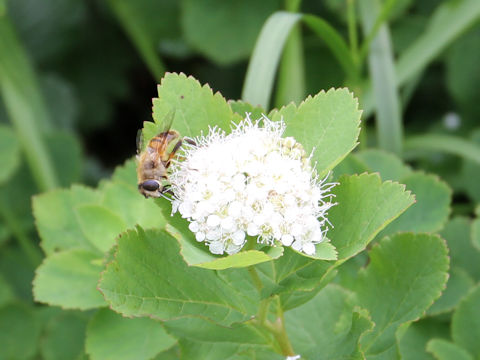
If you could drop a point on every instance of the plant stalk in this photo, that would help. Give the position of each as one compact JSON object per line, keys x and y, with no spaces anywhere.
{"x":277,"y":328}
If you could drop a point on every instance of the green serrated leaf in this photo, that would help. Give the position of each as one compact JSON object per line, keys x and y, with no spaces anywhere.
{"x":462,"y":253}
{"x":56,"y":220}
{"x":466,"y":323}
{"x":365,"y":206}
{"x":169,"y":288}
{"x":328,"y":327}
{"x":19,"y":332}
{"x":388,"y":165}
{"x":458,"y":285}
{"x":327,"y":123}
{"x":228,"y":30}
{"x":406,"y":273}
{"x":431,"y":209}
{"x":9,"y":152}
{"x":69,"y":279}
{"x":64,"y":336}
{"x":100,"y":225}
{"x":196,"y":107}
{"x":111,"y":336}
{"x":446,"y":350}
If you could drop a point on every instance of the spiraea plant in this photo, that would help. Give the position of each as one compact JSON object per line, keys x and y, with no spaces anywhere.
{"x":272,"y":242}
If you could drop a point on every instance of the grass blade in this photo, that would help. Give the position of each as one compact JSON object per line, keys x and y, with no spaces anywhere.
{"x":335,"y":43}
{"x":291,"y":75}
{"x":442,"y":143}
{"x":25,"y":105}
{"x":258,"y":85}
{"x":135,"y":26}
{"x":263,"y":63}
{"x":382,"y":72}
{"x":379,"y":21}
{"x":447,"y":23}
{"x":449,"y":20}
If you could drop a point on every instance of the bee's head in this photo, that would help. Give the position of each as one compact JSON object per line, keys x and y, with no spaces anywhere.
{"x":151,"y":188}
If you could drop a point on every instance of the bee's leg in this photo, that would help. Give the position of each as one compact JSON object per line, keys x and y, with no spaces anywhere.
{"x":172,"y":153}
{"x":189,"y":141}
{"x":174,"y":150}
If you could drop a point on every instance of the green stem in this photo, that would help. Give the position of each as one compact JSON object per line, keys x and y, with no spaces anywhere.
{"x":277,"y":328}
{"x":263,"y":311}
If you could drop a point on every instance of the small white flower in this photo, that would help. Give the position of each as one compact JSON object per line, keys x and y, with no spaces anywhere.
{"x":251,"y":182}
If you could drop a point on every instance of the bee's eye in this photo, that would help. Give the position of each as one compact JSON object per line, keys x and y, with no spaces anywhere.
{"x":150,"y":185}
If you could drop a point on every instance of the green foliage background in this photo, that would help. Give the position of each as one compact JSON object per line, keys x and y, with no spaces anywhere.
{"x":76,"y":83}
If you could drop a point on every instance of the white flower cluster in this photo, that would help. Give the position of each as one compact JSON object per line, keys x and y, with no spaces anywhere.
{"x":251,"y":182}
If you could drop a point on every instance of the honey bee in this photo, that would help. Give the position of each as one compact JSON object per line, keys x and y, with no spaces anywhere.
{"x":154,"y":161}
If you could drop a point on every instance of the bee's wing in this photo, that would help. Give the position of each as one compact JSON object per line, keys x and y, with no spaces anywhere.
{"x":167,"y":121}
{"x":166,"y":125}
